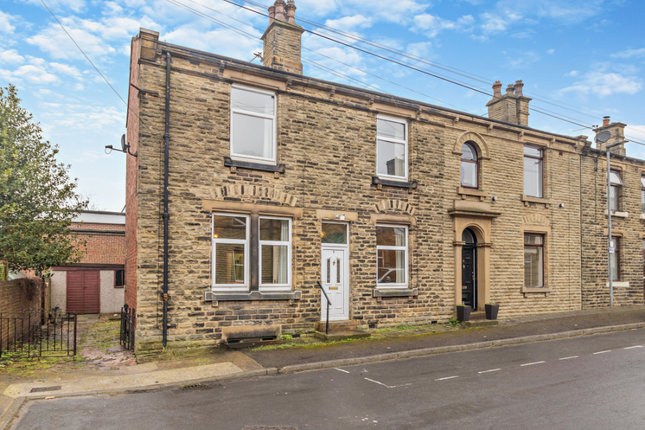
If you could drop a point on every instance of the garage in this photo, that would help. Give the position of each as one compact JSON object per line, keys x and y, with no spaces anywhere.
{"x":83,"y":291}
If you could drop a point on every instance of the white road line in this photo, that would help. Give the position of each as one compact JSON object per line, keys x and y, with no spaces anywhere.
{"x":491,"y":370}
{"x":448,"y":377}
{"x":635,"y":346}
{"x":601,"y":352}
{"x":569,"y":358}
{"x":341,"y":370}
{"x":387,"y":386}
{"x":531,"y":364}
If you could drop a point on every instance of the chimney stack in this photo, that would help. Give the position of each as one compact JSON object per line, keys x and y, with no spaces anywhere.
{"x":283,"y":38}
{"x":512,"y":107}
{"x":617,"y":130}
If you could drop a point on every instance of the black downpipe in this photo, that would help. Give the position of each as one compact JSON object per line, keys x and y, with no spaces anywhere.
{"x":166,"y":138}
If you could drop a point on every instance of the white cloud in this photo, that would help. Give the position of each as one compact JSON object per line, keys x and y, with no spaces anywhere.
{"x":5,"y":23}
{"x":602,"y":84}
{"x":432,"y":25}
{"x":34,"y":74}
{"x":10,"y":56}
{"x":572,"y":73}
{"x":566,"y":11}
{"x":75,"y":5}
{"x":629,"y":53}
{"x":493,"y":23}
{"x":523,"y":60}
{"x":54,"y":41}
{"x":349,"y":23}
{"x":551,"y":51}
{"x":223,"y":41}
{"x":66,"y":69}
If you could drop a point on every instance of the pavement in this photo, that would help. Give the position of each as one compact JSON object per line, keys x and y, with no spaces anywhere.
{"x":229,"y":365}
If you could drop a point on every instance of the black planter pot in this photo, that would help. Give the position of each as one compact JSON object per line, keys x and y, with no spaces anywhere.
{"x":491,"y":312}
{"x":463,"y":313}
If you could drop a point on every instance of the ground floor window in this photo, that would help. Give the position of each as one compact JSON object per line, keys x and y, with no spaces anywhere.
{"x":119,"y":278}
{"x":533,"y":260}
{"x":615,"y":259}
{"x":251,"y":252}
{"x":392,"y":256}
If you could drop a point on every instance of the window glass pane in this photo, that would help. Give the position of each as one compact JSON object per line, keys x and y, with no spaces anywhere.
{"x":468,"y":174}
{"x":614,"y":265}
{"x":228,"y":227}
{"x":533,"y":152}
{"x":390,"y":130}
{"x":533,"y":267}
{"x":533,"y":239}
{"x":229,"y":263}
{"x":467,"y":236}
{"x":643,"y":182}
{"x":391,"y":266}
{"x":252,"y":101}
{"x":275,"y":264}
{"x":274,"y":229}
{"x":614,"y":192}
{"x":614,"y":178}
{"x":390,"y":236}
{"x":252,"y":136}
{"x":468,"y":152}
{"x":643,"y":201}
{"x":532,"y":177}
{"x":334,"y":233}
{"x":391,"y":158}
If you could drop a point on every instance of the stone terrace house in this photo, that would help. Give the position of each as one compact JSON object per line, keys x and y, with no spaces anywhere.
{"x":401,"y":209}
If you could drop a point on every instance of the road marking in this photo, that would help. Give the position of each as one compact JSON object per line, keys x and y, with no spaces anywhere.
{"x":601,"y":352}
{"x":491,"y":370}
{"x":341,"y":370}
{"x":448,"y":377}
{"x":531,"y":364}
{"x":632,"y":347}
{"x":387,"y":386}
{"x":569,"y":358}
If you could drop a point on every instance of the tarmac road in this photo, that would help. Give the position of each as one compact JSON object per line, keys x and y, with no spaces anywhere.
{"x":591,"y":382}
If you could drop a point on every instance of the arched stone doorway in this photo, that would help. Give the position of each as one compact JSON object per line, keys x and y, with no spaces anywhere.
{"x":469,"y":269}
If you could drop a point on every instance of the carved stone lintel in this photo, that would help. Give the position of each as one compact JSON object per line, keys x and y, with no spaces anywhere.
{"x":455,"y":120}
{"x":490,"y":127}
{"x":521,"y":136}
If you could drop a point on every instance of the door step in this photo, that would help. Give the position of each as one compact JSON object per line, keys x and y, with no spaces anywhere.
{"x":479,"y":323}
{"x":342,"y":335}
{"x":336,"y":326}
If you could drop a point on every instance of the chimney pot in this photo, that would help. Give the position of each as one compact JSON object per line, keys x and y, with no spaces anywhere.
{"x":279,"y":10}
{"x":291,"y":11}
{"x":271,"y":14}
{"x":497,"y":89}
{"x":605,"y":120}
{"x":510,"y":88}
{"x":518,"y":88}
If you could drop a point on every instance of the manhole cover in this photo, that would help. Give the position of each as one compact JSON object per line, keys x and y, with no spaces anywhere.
{"x":43,"y":389}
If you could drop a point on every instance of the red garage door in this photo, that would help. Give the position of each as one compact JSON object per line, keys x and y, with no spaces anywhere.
{"x":83,"y":288}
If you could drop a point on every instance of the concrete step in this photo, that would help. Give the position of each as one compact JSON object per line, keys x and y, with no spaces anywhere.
{"x":479,"y":323}
{"x":336,"y":326}
{"x":342,"y":335}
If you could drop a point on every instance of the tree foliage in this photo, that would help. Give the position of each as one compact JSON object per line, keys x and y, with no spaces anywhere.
{"x":38,"y":200}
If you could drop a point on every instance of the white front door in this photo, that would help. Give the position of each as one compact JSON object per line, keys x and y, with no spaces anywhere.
{"x":335,"y":281}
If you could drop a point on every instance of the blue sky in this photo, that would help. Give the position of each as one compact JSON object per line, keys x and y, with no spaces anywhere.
{"x":587,"y":56}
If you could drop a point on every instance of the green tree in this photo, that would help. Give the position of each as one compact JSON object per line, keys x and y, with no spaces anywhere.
{"x":38,"y":200}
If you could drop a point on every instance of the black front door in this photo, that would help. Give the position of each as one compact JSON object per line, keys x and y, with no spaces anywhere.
{"x":468,"y":277}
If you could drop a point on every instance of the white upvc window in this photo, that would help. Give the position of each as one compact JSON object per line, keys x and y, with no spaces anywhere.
{"x":392,"y":148}
{"x":275,"y":254}
{"x":391,"y":256}
{"x":253,"y":125}
{"x":230,"y":236}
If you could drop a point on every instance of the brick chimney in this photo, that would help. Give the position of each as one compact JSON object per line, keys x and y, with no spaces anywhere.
{"x":511,"y":107}
{"x":617,"y":130}
{"x":282,"y":38}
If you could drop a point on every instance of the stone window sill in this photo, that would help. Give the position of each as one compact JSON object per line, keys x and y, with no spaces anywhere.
{"x":463,"y":192}
{"x":392,"y":292}
{"x":379,"y":182}
{"x":235,"y":164}
{"x":619,"y":284}
{"x":220,"y":296}
{"x":642,"y":216}
{"x":618,"y":214}
{"x":538,"y":290}
{"x":530,"y":199}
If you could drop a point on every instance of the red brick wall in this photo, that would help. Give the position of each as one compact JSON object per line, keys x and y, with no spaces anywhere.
{"x":14,"y":299}
{"x":131,"y":198}
{"x":103,"y":248}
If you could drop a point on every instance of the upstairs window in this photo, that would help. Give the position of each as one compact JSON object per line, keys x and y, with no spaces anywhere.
{"x":469,"y":166}
{"x":533,"y":171}
{"x":391,"y":148}
{"x":253,"y":125}
{"x":614,"y":190}
{"x":642,"y":194}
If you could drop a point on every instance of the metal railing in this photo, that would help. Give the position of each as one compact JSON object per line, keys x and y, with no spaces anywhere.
{"x":36,"y":333}
{"x":328,"y":304}
{"x":128,"y":322}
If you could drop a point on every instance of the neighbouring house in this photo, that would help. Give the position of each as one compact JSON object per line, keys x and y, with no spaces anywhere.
{"x":97,"y":283}
{"x":399,"y":208}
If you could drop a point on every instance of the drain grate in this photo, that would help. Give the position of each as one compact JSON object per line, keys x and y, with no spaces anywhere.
{"x":43,"y":389}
